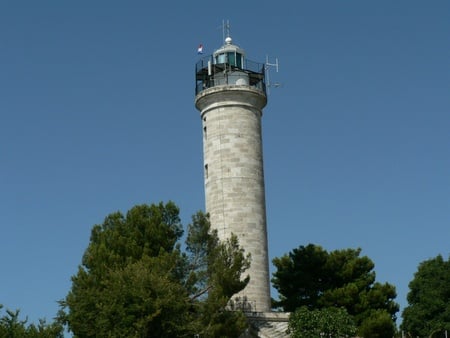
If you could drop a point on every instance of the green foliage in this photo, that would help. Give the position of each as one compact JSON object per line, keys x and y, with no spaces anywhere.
{"x":135,"y":281}
{"x":12,"y":327}
{"x":300,"y":281}
{"x":378,"y":324}
{"x":216,"y":267}
{"x":428,"y":307}
{"x":326,"y":322}
{"x":312,"y":277}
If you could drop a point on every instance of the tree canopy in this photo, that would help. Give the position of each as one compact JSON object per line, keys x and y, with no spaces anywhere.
{"x":428,"y":307}
{"x":11,"y":326}
{"x":326,"y":322}
{"x":312,"y":277}
{"x":136,"y":281}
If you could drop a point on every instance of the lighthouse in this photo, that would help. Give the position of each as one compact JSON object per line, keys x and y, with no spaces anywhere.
{"x":230,"y":95}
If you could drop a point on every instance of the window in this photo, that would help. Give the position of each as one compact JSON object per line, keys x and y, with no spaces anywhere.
{"x":220,"y":58}
{"x":232,"y":58}
{"x":239,"y":60}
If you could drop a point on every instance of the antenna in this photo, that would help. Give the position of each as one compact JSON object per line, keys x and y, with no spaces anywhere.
{"x":225,"y":27}
{"x":267,"y":68}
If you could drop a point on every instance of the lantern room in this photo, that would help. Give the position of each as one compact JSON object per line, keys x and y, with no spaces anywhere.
{"x":228,"y":66}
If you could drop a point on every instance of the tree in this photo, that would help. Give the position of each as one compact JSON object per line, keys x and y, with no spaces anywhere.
{"x":326,"y":322}
{"x":135,"y":281}
{"x":428,"y":307}
{"x":312,"y":277}
{"x":216,"y":269}
{"x":378,"y":324}
{"x":12,"y":327}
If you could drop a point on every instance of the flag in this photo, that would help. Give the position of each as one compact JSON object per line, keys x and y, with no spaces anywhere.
{"x":200,"y":49}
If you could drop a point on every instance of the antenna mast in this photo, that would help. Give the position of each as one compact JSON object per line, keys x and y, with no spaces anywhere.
{"x":267,"y":68}
{"x":225,"y":28}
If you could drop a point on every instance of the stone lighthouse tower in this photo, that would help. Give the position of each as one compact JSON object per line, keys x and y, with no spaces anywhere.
{"x":230,"y":95}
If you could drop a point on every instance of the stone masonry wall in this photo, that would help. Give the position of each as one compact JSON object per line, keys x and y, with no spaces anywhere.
{"x":234,"y":178}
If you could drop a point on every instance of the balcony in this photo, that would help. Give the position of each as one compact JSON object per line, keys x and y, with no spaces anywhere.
{"x":209,"y":73}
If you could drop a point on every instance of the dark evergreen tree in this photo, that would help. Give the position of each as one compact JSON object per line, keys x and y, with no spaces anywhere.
{"x":428,"y":309}
{"x":135,"y":281}
{"x":312,"y":277}
{"x":11,"y":326}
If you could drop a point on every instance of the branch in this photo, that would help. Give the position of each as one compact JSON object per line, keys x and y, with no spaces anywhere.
{"x":201,"y":293}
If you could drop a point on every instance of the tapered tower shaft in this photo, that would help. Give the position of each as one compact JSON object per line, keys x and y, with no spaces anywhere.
{"x":230,"y":97}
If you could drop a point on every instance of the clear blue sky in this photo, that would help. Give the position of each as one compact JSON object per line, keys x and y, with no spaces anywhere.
{"x":97,"y":115}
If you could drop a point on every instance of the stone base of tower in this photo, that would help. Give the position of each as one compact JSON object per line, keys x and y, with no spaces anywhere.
{"x":267,"y":325}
